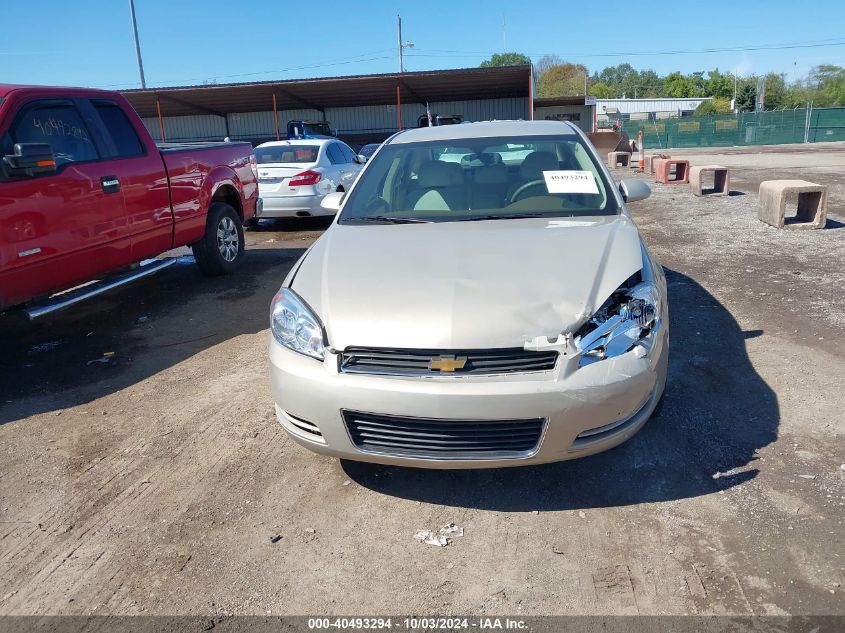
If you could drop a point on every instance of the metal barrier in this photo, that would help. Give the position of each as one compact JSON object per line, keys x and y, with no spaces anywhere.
{"x":772,"y":127}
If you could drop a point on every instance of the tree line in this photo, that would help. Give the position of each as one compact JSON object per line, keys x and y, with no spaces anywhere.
{"x":824,"y":86}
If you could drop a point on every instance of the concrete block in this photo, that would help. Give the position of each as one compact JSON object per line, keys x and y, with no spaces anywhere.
{"x":811,"y":210}
{"x":649,"y":161}
{"x":670,"y":171}
{"x":721,"y":180}
{"x":618,"y":159}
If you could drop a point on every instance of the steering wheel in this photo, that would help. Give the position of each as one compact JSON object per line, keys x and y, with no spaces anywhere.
{"x":522,"y":188}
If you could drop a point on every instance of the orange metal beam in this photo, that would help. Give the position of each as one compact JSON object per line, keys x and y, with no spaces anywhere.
{"x":398,"y":108}
{"x":160,"y":120}
{"x":276,"y":118}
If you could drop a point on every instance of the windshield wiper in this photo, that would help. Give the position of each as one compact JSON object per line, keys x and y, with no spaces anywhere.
{"x":383,"y":219}
{"x":504,"y":216}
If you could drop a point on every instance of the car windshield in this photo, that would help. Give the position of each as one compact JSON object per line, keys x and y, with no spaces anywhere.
{"x":481,"y":179}
{"x":369,"y":150}
{"x":286,"y":154}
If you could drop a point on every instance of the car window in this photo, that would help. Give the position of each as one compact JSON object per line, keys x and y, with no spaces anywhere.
{"x":348,"y":154}
{"x":335,"y":155}
{"x":465,"y":179}
{"x":119,"y":128}
{"x":286,"y":154}
{"x":59,"y":125}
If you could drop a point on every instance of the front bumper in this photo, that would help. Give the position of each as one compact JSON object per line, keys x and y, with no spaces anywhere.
{"x":586,"y":410}
{"x":293,"y":206}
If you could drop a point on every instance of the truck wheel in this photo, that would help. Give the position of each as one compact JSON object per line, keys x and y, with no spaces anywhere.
{"x":221,"y":249}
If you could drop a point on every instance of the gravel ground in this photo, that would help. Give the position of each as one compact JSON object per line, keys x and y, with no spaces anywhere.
{"x":157,"y":482}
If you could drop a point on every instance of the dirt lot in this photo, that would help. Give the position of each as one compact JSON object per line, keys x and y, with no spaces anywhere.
{"x":153,"y":485}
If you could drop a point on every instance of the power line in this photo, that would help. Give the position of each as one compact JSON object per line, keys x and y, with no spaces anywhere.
{"x":763,"y":47}
{"x":329,"y":63}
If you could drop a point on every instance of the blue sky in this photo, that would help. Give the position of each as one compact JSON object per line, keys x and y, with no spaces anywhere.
{"x":89,"y":42}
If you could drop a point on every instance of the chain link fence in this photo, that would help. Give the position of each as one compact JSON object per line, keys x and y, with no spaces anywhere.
{"x":773,"y":127}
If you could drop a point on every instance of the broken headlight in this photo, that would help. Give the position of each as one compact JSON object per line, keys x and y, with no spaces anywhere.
{"x":295,"y":326}
{"x":625,"y":320}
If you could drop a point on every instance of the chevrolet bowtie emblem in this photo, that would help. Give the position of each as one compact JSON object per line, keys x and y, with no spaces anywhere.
{"x":447,"y":363}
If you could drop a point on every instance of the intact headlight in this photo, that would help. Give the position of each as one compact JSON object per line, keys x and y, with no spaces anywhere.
{"x":626,"y":319}
{"x":295,"y":326}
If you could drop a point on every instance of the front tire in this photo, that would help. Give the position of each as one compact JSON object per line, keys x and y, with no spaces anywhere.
{"x":221,"y":248}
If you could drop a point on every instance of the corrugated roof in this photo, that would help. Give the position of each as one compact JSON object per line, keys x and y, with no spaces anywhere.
{"x":332,"y":92}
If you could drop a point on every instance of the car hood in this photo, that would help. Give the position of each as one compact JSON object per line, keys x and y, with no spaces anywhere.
{"x":464,"y":285}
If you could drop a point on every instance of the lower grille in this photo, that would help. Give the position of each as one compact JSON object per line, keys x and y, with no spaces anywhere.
{"x":443,"y":439}
{"x":304,"y":427}
{"x":410,"y":362}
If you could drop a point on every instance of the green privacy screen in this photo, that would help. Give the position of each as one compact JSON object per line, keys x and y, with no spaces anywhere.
{"x":750,"y":128}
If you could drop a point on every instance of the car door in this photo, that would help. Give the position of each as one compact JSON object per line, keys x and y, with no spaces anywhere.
{"x":65,"y":226}
{"x":352,"y":162}
{"x":346,"y":165}
{"x":142,"y":179}
{"x":335,"y":169}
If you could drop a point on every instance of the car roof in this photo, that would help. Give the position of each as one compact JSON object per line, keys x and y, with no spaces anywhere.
{"x":300,"y":141}
{"x":484,"y":129}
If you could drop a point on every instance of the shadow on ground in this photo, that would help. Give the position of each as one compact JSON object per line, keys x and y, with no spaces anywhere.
{"x":293,"y":224}
{"x":716,"y":414}
{"x":149,"y":325}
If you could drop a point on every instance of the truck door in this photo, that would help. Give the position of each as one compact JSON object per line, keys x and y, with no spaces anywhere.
{"x":142,"y":180}
{"x":64,"y":227}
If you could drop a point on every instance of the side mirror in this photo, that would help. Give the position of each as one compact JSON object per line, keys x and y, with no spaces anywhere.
{"x":633,"y":189}
{"x":360,"y":159}
{"x":30,"y":159}
{"x":331,"y":201}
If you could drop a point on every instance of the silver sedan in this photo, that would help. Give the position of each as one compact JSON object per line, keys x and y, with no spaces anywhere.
{"x":294,"y":176}
{"x":482,"y":299}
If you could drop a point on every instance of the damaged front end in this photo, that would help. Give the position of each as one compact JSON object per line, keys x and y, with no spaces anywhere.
{"x":628,"y":318}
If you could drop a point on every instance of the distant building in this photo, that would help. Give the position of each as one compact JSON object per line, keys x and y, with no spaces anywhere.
{"x":608,"y":110}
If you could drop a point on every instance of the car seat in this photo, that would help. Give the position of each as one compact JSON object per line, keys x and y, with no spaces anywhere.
{"x":440,"y":187}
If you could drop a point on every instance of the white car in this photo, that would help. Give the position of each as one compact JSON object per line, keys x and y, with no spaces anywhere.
{"x":497,"y":310}
{"x":294,"y":176}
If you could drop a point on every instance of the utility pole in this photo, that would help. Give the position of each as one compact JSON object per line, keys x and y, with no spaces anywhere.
{"x":735,"y":108}
{"x":402,"y":44}
{"x":137,"y":44}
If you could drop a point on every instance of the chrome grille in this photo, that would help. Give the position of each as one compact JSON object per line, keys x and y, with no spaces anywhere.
{"x":411,"y":362}
{"x":443,"y":439}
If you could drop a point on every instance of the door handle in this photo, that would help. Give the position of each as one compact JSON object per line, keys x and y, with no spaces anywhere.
{"x":110,"y":184}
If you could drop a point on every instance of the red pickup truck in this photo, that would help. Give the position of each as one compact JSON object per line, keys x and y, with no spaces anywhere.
{"x":85,"y":192}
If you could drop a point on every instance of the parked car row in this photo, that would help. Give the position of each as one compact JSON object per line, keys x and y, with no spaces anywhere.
{"x":481,"y":299}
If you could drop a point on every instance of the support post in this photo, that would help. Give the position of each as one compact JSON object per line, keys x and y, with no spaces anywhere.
{"x":642,"y":149}
{"x":160,"y":120}
{"x":531,"y":93}
{"x":398,"y":109}
{"x":276,"y":118}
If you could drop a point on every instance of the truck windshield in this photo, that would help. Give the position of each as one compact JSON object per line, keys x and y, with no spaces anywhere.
{"x":481,"y":179}
{"x":318,"y":129}
{"x":296,"y":154}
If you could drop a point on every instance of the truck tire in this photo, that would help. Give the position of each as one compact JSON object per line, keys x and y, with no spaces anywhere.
{"x":221,"y":249}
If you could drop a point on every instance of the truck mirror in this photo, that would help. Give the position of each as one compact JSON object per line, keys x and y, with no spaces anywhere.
{"x":30,"y":159}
